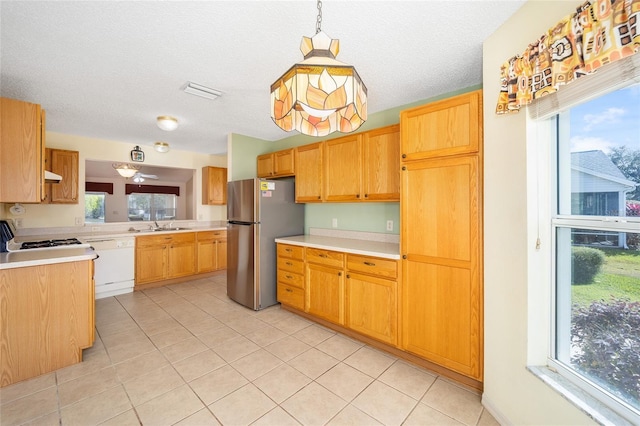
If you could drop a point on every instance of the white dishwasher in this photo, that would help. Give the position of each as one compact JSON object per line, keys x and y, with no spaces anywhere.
{"x":114,"y":267}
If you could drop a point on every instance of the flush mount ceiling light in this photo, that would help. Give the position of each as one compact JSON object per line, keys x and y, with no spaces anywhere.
{"x":168,"y":123}
{"x":126,"y":170}
{"x":319,"y":95}
{"x":200,"y":90}
{"x":161,"y":146}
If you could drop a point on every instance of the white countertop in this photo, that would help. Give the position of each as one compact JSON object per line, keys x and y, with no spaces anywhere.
{"x":25,"y":258}
{"x":347,"y":245}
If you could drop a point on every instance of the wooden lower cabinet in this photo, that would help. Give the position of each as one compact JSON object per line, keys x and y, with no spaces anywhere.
{"x":163,"y":257}
{"x":372,"y":297}
{"x":47,"y":318}
{"x":442,"y":262}
{"x":290,"y":276}
{"x":181,"y":260}
{"x":325,"y":292}
{"x":211,"y":251}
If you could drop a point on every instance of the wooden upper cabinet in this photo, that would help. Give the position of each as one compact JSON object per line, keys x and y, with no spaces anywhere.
{"x":284,"y":162}
{"x":276,"y":164}
{"x":381,"y":164}
{"x":447,"y":127}
{"x":22,"y":141}
{"x":343,"y":168}
{"x":264,"y":165}
{"x":214,"y":185}
{"x":64,"y":163}
{"x":309,"y":161}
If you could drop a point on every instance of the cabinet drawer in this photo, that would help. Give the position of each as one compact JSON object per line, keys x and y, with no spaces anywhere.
{"x":186,"y":237}
{"x":291,"y":296}
{"x":325,"y":257}
{"x":211,"y":235}
{"x":287,"y":277}
{"x":154,"y":240}
{"x":291,"y":265}
{"x":293,"y":252}
{"x":373,"y":265}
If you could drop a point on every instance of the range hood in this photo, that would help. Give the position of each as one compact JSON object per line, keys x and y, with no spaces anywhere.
{"x":51,"y":177}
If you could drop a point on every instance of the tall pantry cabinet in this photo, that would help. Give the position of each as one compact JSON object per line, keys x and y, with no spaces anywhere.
{"x":441,"y":234}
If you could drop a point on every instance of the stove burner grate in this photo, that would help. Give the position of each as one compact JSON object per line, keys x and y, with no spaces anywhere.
{"x":49,"y":243}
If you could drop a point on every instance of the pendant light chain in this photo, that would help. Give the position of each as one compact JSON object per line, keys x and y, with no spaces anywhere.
{"x":319,"y":19}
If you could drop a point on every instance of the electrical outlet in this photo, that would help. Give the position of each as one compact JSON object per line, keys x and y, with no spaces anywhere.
{"x":18,"y":222}
{"x":334,"y":222}
{"x":78,"y":221}
{"x":389,"y":225}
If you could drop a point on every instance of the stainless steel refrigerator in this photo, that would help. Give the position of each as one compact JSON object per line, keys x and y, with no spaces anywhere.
{"x":258,"y":212}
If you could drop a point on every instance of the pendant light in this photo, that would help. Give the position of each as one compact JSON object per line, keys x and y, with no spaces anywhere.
{"x":126,"y":170}
{"x":319,"y":95}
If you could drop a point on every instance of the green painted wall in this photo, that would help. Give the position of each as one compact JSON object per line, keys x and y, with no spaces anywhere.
{"x":367,"y":217}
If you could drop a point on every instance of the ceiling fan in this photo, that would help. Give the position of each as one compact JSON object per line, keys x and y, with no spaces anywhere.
{"x":140,"y":177}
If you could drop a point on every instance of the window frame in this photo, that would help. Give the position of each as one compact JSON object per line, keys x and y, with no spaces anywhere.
{"x":559,"y":156}
{"x":104,"y":205}
{"x":152,"y":209}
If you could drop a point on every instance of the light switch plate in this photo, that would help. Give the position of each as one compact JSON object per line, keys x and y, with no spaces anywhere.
{"x":334,"y":222}
{"x":389,"y":225}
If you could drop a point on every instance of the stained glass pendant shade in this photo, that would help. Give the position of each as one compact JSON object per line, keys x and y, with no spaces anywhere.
{"x":319,"y":95}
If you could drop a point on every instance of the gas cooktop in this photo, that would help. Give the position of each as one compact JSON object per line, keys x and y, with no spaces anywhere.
{"x":46,"y":244}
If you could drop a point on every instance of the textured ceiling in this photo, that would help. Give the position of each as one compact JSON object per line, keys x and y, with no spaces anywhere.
{"x":106,"y":69}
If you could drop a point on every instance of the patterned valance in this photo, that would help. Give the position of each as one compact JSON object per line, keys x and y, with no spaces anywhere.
{"x":596,"y":34}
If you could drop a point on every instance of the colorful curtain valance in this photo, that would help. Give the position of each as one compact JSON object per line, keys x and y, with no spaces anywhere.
{"x":596,"y":34}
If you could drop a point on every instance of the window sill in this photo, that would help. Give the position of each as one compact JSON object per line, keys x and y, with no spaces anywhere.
{"x":586,"y":403}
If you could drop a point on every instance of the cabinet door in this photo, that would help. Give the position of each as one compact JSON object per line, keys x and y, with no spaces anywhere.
{"x":309,"y":173}
{"x":284,"y":163}
{"x":343,"y":168}
{"x":182,"y":255}
{"x":151,"y":264}
{"x":221,"y":252}
{"x":381,"y":164}
{"x":214,"y":185}
{"x":21,"y":152}
{"x":372,"y":307}
{"x":64,"y":163}
{"x":441,"y":235}
{"x":206,"y":256}
{"x":264,"y":165}
{"x":325,"y":292}
{"x":448,"y":127}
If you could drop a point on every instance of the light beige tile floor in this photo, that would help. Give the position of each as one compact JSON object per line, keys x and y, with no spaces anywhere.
{"x":185,"y":354}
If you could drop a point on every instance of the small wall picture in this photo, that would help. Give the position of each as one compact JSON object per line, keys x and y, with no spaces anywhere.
{"x":137,"y":154}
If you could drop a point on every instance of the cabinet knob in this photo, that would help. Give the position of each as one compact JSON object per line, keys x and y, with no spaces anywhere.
{"x":366,"y":195}
{"x":339,"y":274}
{"x":289,"y":277}
{"x":404,"y":155}
{"x":288,"y":290}
{"x":404,"y":256}
{"x":348,"y":276}
{"x":319,"y":197}
{"x":404,"y":167}
{"x":358,"y":196}
{"x":288,"y":250}
{"x":324,"y":256}
{"x":289,"y":263}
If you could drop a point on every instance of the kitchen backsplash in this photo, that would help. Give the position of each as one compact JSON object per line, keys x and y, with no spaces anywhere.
{"x":355,"y":235}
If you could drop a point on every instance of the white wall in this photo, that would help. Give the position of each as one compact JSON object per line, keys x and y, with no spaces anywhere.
{"x":516,"y":274}
{"x":59,"y":215}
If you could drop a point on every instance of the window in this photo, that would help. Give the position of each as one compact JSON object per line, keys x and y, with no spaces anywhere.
{"x":152,"y":206}
{"x":94,"y":205}
{"x":596,"y":341}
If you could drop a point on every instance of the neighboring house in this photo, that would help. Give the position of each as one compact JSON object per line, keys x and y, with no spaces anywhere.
{"x":598,"y":188}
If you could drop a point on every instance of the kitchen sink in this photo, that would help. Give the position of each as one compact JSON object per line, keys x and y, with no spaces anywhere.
{"x":160,"y":229}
